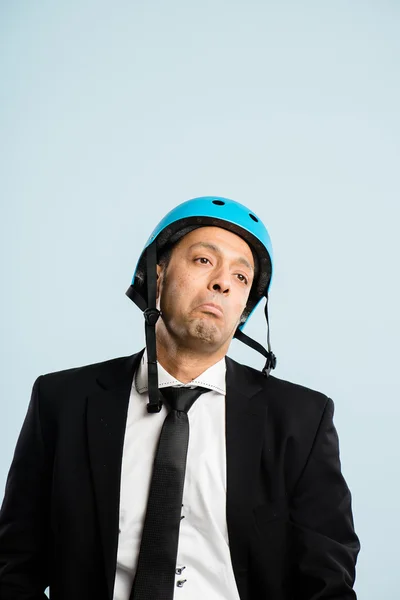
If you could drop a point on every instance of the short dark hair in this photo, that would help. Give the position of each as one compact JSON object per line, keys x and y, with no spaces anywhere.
{"x":165,"y":255}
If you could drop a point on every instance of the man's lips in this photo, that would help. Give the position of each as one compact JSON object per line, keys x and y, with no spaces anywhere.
{"x":212,"y":308}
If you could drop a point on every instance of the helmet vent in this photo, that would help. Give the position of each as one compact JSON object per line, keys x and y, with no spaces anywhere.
{"x":253,"y":217}
{"x":218,"y":202}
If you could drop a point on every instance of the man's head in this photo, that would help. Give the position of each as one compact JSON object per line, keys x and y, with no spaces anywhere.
{"x":206,"y":297}
{"x":203,"y":287}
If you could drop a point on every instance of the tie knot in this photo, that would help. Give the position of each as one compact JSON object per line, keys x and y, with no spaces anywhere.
{"x":182,"y":398}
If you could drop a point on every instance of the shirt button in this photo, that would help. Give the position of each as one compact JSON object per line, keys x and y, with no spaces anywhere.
{"x":180,"y":582}
{"x":179,"y":570}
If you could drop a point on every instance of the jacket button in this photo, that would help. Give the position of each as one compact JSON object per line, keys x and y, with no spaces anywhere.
{"x":180,"y":582}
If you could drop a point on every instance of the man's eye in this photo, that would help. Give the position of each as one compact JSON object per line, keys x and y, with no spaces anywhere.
{"x":203,"y":260}
{"x":242,"y":278}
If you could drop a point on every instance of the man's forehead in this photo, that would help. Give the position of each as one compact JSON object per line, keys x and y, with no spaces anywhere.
{"x":219,"y":240}
{"x":210,"y":232}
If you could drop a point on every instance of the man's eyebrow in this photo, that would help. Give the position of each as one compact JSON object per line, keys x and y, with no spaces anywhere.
{"x":241,"y":260}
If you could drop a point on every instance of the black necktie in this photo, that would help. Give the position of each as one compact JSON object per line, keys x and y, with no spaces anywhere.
{"x":155,"y":573}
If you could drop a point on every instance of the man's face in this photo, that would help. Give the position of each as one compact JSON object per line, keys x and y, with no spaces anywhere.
{"x":204,"y":289}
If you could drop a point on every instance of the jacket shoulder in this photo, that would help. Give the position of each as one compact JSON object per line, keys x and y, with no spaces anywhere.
{"x":295,"y":390}
{"x":284,"y":395}
{"x":81,"y":372}
{"x":299,"y":404}
{"x":85,"y":378}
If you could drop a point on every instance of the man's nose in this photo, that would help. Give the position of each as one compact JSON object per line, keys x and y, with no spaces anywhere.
{"x":221,"y":282}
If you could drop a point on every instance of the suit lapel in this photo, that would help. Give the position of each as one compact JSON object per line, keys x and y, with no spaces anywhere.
{"x":246,"y":412}
{"x":106,"y":420}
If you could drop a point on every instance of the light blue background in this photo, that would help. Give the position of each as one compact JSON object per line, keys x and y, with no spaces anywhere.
{"x":114,"y":112}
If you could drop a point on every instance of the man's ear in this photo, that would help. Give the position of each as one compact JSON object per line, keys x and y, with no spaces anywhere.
{"x":159,"y":271}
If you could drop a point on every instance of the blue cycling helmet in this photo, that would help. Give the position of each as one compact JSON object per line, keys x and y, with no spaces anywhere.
{"x":201,"y":212}
{"x":218,"y":212}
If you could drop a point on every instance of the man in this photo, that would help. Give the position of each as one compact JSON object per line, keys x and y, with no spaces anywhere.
{"x":190,"y":476}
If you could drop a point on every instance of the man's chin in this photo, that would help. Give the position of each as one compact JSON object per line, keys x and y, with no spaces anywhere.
{"x":205,"y":331}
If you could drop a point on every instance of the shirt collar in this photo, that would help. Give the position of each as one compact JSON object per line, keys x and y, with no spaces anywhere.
{"x":213,"y":378}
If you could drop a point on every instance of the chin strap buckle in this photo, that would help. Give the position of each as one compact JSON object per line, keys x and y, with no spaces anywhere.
{"x":154,"y":407}
{"x":270,"y":364}
{"x":151,"y":316}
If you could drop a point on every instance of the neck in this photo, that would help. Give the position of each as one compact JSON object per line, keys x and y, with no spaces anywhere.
{"x":185,"y":364}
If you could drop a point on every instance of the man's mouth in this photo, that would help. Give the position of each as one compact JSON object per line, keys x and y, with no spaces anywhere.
{"x":212,"y":308}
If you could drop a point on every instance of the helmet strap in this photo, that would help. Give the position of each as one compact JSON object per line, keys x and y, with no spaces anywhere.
{"x":268,"y":354}
{"x":136,"y":298}
{"x":151,"y":316}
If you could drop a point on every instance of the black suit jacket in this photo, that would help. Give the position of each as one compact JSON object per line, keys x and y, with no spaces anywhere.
{"x":288,"y":507}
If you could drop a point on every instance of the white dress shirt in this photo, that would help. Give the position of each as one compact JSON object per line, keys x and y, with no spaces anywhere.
{"x":204,"y":568}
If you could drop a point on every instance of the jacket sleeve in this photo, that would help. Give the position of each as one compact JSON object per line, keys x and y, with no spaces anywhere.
{"x":326,"y":545}
{"x":25,"y":513}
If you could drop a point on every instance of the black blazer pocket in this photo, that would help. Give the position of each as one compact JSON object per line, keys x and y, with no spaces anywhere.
{"x":272,"y":525}
{"x":272,"y":549}
{"x":267,"y":513}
